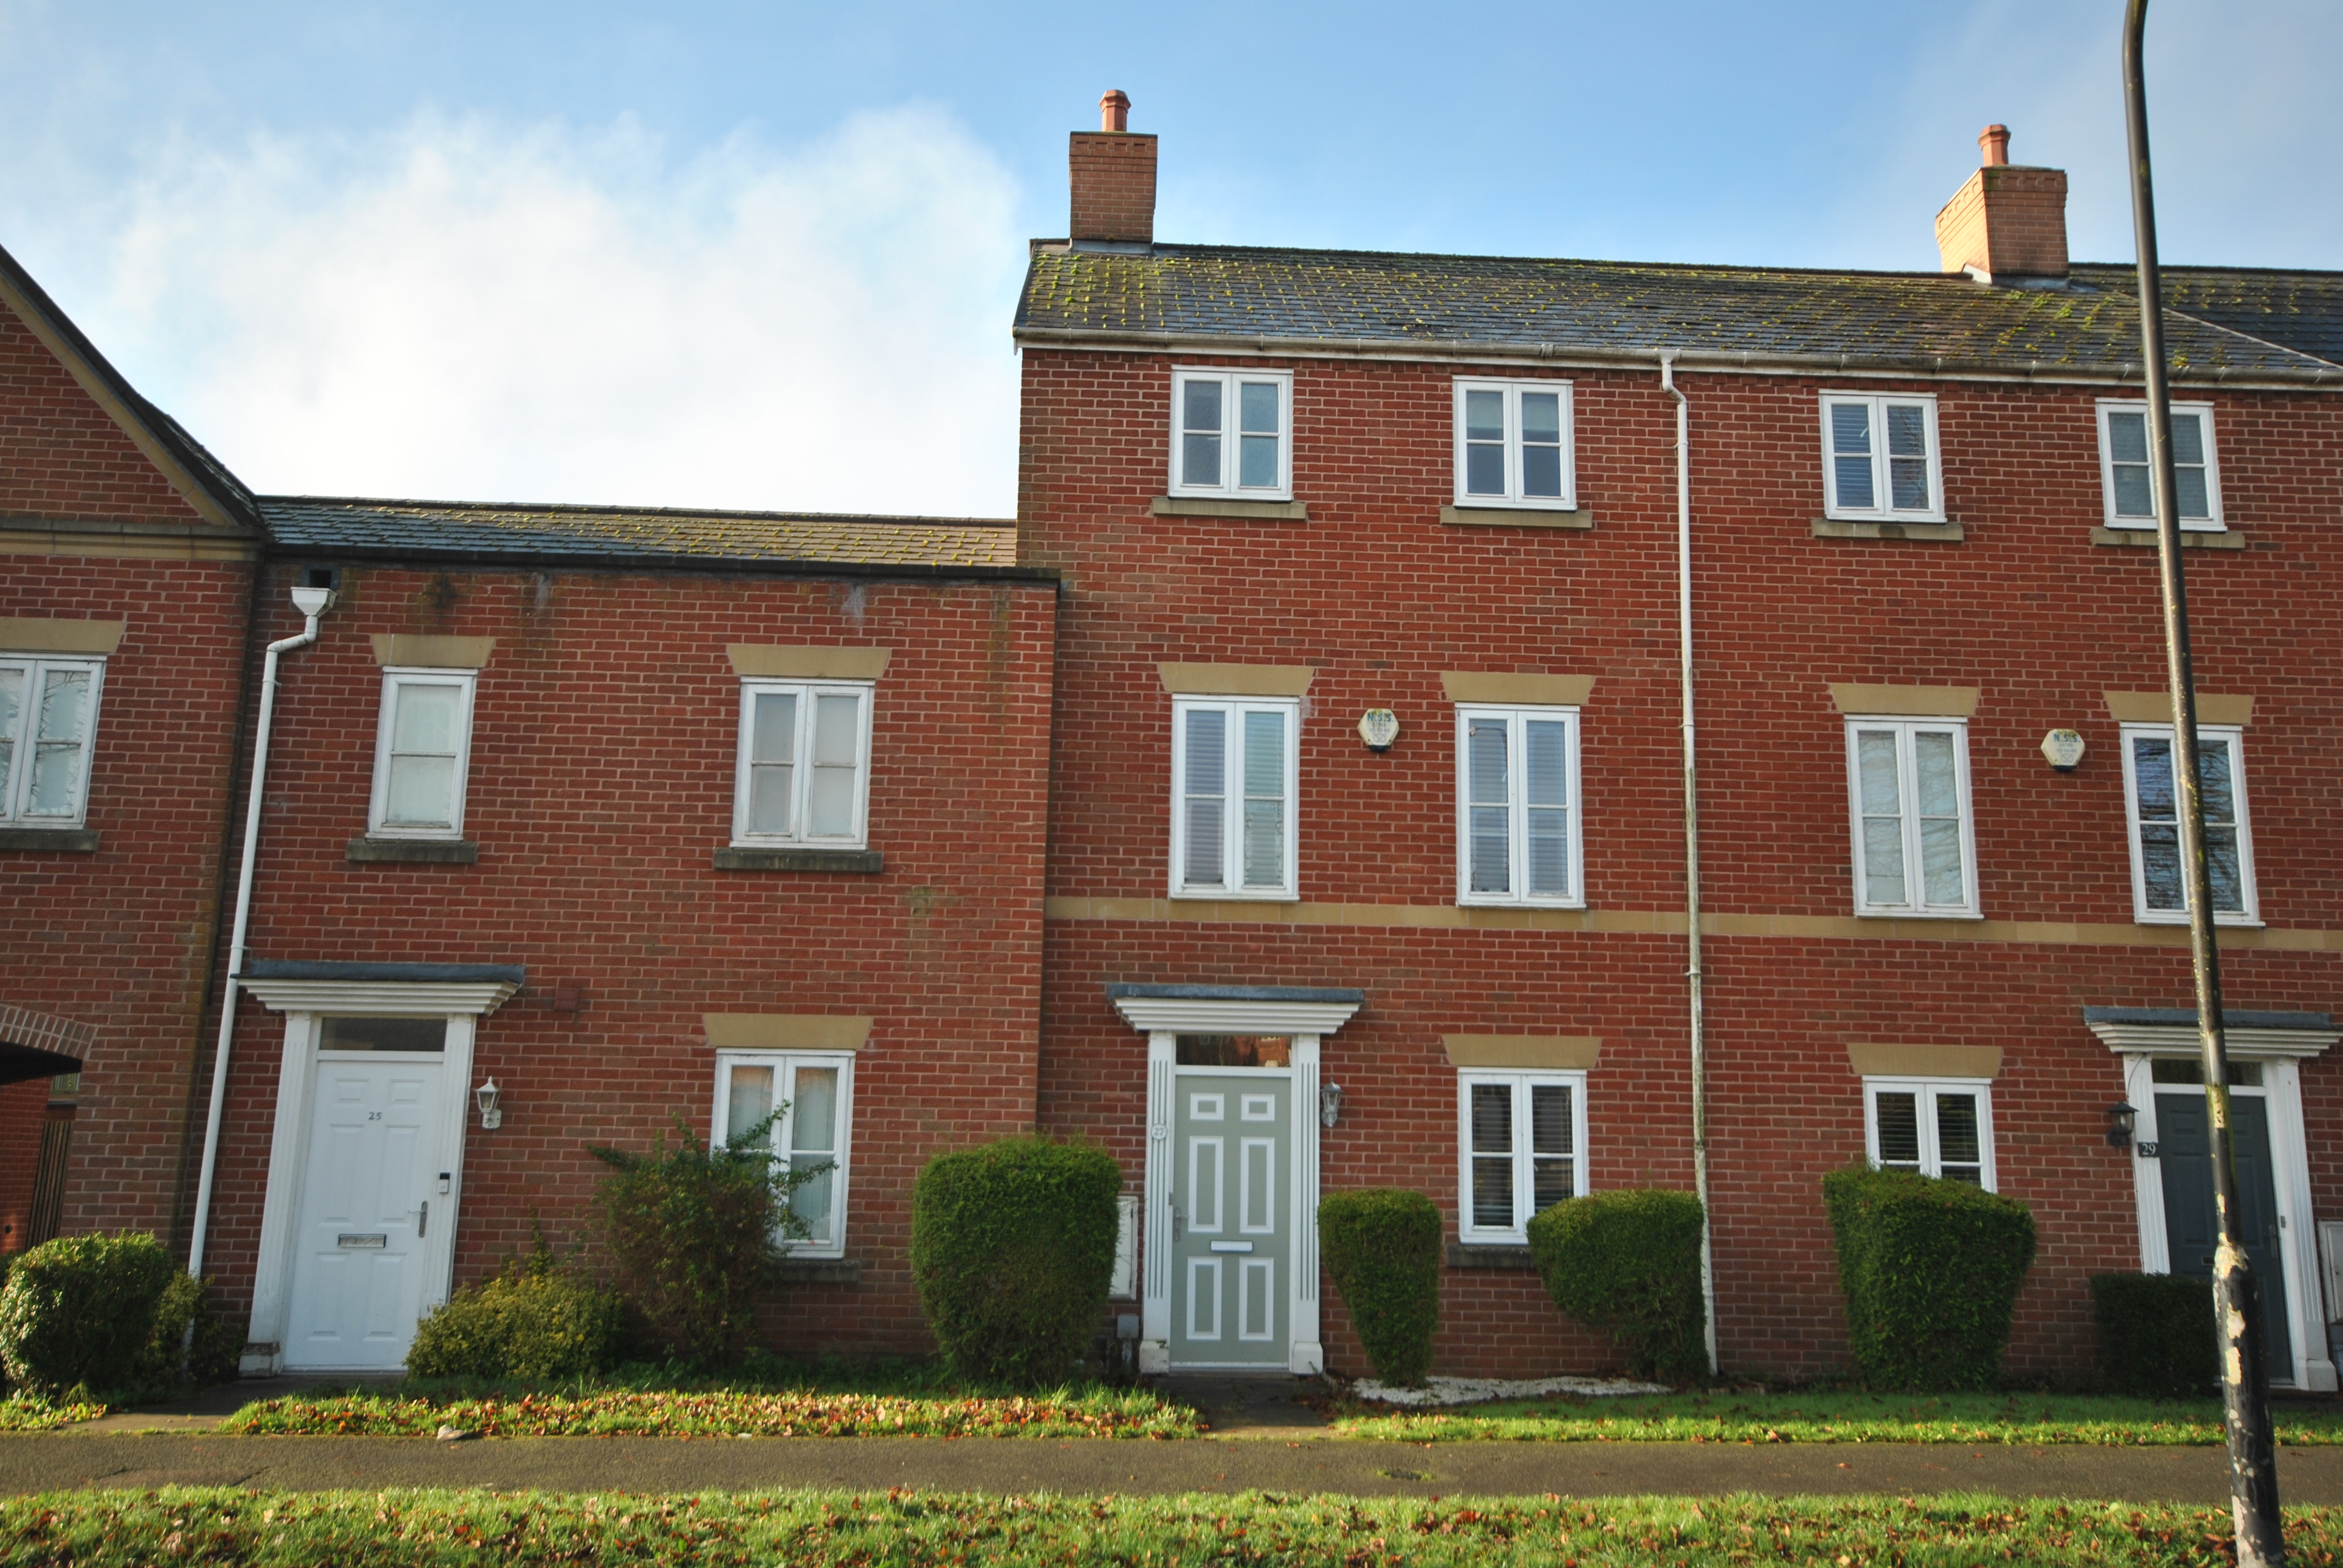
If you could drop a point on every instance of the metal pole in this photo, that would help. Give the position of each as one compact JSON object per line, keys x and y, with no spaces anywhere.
{"x":2245,"y":1376}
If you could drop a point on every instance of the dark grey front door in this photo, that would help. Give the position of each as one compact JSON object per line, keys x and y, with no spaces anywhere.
{"x":2190,"y":1227}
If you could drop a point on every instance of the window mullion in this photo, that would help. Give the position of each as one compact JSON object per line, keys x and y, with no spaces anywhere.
{"x":801,"y":771}
{"x":1907,"y":786}
{"x":1515,"y":486}
{"x":1524,"y":1157}
{"x":1232,"y":798}
{"x":1932,"y":1162}
{"x":1517,"y":806}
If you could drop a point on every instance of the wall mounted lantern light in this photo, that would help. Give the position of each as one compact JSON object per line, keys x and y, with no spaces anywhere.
{"x":491,"y":1118}
{"x":1330,"y":1104}
{"x":2121,"y":1116}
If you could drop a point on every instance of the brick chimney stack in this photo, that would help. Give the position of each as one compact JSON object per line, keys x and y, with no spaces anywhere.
{"x":1113,"y":177}
{"x":2008,"y":222}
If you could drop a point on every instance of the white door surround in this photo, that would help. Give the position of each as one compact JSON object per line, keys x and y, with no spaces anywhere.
{"x":307,"y":994}
{"x":1301,"y":1014}
{"x":2279,"y":1042}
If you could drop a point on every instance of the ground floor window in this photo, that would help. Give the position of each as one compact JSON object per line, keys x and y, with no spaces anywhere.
{"x":813,"y":1093}
{"x":1941,"y":1128}
{"x":1522,"y":1137}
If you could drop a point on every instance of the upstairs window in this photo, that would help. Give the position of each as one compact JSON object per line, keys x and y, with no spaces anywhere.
{"x":1879,"y":459}
{"x":2125,"y":474}
{"x":48,"y":717}
{"x":1522,"y":1137}
{"x":2159,"y":893}
{"x":1930,"y":1129}
{"x":1231,"y":434}
{"x":803,"y":772}
{"x":422,"y":751}
{"x":1233,"y":762}
{"x":814,"y":1093}
{"x":1909,"y":788}
{"x":1514,"y":444}
{"x":1517,"y":806}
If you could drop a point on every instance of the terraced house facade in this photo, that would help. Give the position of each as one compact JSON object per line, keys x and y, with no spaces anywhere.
{"x":1290,"y":799}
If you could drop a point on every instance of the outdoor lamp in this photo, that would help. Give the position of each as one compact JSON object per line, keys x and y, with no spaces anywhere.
{"x":2120,"y":1117}
{"x":490,"y":1117}
{"x":1330,"y":1104}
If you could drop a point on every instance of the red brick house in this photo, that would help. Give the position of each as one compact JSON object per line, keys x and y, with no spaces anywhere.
{"x":1293,"y":799}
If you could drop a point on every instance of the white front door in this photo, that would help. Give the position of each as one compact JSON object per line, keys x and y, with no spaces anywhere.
{"x":365,"y":1210}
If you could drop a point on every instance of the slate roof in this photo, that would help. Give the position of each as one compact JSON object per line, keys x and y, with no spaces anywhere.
{"x":2300,"y":310}
{"x":379,"y":530}
{"x":1300,"y":300}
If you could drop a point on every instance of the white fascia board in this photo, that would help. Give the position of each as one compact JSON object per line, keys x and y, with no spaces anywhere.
{"x":418,"y":999}
{"x":1190,"y":1015}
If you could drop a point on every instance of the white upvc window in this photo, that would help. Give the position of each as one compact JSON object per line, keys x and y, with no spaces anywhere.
{"x":423,"y":746}
{"x":2159,"y":893}
{"x":1514,"y":444}
{"x":1233,"y":767}
{"x":2125,"y":474}
{"x":803,"y":773}
{"x":814,"y":1091}
{"x":1879,"y":459}
{"x":1517,"y":809}
{"x":1521,"y":1140}
{"x":1233,"y":434}
{"x":1941,"y":1128}
{"x":48,"y":722}
{"x":1908,"y":793}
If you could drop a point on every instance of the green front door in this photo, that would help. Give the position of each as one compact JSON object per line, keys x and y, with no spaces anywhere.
{"x":1231,"y":1169}
{"x":2191,"y":1228}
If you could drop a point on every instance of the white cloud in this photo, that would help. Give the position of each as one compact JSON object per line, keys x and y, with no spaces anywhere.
{"x":464,"y":310}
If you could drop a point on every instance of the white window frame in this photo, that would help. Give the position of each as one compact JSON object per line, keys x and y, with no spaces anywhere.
{"x":2235,"y":736}
{"x":1230,"y":457}
{"x":1906,"y":775}
{"x":1522,"y":1081}
{"x":1518,"y":807}
{"x":801,"y":779}
{"x":2211,"y":524}
{"x":1514,"y":497}
{"x":1931,"y":1157}
{"x":1232,"y":886}
{"x":785,"y":1065}
{"x":17,"y":779}
{"x":1882,"y":488}
{"x":394,"y":676}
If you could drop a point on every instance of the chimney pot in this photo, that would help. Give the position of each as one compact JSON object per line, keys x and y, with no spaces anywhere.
{"x":1993,"y":142}
{"x":1113,"y":175}
{"x":2006,"y":222}
{"x":1114,"y":112}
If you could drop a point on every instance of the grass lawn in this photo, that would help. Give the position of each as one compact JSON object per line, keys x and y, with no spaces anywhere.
{"x":766,"y":1398}
{"x":25,"y":1413}
{"x":352,"y":1530}
{"x":1809,"y":1416}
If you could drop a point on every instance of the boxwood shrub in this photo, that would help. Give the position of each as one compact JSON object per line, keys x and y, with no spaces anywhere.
{"x":1627,"y":1264}
{"x":1931,"y":1272}
{"x":78,"y":1313}
{"x":534,"y":1319}
{"x":2156,"y":1334}
{"x":1381,"y":1245}
{"x":1013,"y":1247}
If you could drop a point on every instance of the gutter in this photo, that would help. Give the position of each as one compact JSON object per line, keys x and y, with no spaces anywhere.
{"x":604,"y":561}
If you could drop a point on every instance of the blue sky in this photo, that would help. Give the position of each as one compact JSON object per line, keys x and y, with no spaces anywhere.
{"x":765,"y":256}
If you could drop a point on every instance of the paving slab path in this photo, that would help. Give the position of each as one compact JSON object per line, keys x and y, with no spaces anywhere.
{"x":1267,"y":1459}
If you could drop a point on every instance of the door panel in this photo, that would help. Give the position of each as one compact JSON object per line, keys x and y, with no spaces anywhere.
{"x":358,"y":1239}
{"x":2192,"y":1227}
{"x":1232,"y":1161}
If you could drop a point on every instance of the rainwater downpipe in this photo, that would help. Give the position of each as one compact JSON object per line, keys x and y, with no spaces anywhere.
{"x":312,"y":602}
{"x":1691,"y":856}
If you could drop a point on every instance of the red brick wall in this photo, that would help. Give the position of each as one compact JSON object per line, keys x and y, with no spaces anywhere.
{"x":61,"y":455}
{"x":600,"y":786}
{"x":1379,"y":597}
{"x":1112,"y":177}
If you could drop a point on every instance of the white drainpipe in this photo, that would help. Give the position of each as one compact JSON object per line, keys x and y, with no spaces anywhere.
{"x":1692,"y":853}
{"x":312,"y":602}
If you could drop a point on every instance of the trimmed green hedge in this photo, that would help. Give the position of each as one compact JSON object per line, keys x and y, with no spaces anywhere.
{"x":1931,"y":1270}
{"x":1381,"y":1245}
{"x":532,"y":1320}
{"x":1012,"y":1246}
{"x":78,"y":1313}
{"x":2156,"y":1334}
{"x":1627,"y":1264}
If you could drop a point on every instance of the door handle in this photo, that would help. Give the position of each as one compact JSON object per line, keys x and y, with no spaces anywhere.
{"x":423,"y":1226}
{"x":1175,"y":1221}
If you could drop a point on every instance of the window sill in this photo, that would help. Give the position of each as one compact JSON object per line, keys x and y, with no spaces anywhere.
{"x":1222,"y":896}
{"x":2220,"y":923}
{"x":1515,"y":517}
{"x":862,"y":861}
{"x":1933,"y":533}
{"x":412,"y":851}
{"x":2191,"y":538}
{"x":1918,"y":915}
{"x":822,"y":1270}
{"x":1214,"y":506}
{"x":54,"y":840}
{"x":1523,"y":904}
{"x":1489,"y":1255}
